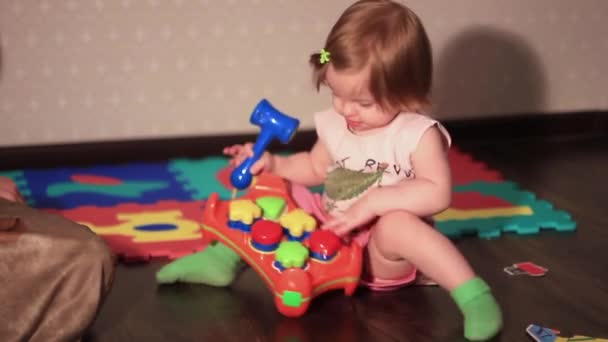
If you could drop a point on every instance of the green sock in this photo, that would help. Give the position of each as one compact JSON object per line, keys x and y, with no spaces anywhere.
{"x":482,"y":316}
{"x":216,"y":265}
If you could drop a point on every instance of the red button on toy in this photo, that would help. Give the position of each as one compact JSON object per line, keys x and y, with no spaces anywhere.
{"x":266,"y":235}
{"x":324,"y":244}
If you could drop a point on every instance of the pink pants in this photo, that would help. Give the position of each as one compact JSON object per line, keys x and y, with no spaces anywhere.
{"x":311,"y":203}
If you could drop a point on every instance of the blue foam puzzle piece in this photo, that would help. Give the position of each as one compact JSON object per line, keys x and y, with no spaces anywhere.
{"x":141,"y":183}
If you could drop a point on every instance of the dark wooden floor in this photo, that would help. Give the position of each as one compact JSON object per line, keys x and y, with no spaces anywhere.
{"x":573,"y":296}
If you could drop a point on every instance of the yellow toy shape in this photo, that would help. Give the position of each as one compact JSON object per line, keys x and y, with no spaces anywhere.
{"x":244,"y":210}
{"x":297,"y":222}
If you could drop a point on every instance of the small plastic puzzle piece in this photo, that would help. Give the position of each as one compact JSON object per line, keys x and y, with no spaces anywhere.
{"x":531,"y":269}
{"x":298,"y":223}
{"x":513,"y":270}
{"x":527,"y":268}
{"x":245,"y":211}
{"x":291,"y":254}
{"x":272,"y":206}
{"x":542,"y":334}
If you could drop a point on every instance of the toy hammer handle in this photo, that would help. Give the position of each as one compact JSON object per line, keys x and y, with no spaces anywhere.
{"x":273,"y":124}
{"x":241,"y":176}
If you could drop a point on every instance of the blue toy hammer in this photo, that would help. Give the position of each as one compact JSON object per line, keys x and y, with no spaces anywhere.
{"x":273,"y":124}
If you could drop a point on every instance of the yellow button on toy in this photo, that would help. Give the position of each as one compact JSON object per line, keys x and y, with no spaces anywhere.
{"x":298,"y":223}
{"x":245,"y":211}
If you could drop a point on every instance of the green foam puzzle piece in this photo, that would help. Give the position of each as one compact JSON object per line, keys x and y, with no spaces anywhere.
{"x":544,"y":215}
{"x":272,"y":207}
{"x":132,"y":189}
{"x":199,"y":176}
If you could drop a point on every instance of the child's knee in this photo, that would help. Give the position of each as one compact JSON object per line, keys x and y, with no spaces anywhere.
{"x":393,"y":230}
{"x":394,"y":222}
{"x":384,"y":261}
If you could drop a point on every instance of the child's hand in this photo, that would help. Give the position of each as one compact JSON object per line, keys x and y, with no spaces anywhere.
{"x":240,"y":152}
{"x":9,"y":191}
{"x":360,"y":213}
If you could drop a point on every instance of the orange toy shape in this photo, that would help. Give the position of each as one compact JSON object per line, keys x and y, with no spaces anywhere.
{"x":297,"y":263}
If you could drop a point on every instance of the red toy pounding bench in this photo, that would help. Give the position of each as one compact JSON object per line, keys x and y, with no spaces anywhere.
{"x":283,"y":244}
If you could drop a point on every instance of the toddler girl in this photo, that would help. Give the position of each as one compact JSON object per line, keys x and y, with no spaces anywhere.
{"x":383,"y":164}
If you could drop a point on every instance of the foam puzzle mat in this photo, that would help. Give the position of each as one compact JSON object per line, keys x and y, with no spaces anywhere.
{"x":147,"y":210}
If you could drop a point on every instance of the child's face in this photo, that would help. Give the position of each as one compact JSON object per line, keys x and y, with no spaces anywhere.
{"x":352,"y":99}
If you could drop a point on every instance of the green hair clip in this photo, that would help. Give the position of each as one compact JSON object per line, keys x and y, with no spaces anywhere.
{"x":324,"y":56}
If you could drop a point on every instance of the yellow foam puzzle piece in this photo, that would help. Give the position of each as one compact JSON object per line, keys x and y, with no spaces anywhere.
{"x":459,"y":214}
{"x":185,"y":229}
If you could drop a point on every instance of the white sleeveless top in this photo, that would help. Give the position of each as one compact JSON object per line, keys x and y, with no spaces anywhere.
{"x":362,"y":161}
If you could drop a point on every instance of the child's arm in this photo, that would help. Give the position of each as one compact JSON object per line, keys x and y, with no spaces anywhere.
{"x":431,"y":191}
{"x":306,"y":168}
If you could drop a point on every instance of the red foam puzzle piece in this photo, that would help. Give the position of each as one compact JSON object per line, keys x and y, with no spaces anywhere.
{"x":465,"y":169}
{"x":129,"y":251}
{"x":164,"y":229}
{"x":223,"y":176}
{"x":475,"y":200}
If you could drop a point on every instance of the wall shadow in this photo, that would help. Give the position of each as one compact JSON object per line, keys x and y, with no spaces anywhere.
{"x":487,"y":72}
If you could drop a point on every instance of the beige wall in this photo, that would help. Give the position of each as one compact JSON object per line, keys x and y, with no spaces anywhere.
{"x":89,"y":70}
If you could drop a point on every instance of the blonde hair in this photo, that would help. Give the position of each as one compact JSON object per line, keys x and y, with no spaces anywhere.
{"x":392,"y":40}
